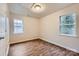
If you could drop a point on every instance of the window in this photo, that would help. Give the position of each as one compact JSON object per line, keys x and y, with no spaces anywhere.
{"x":68,"y":25}
{"x":18,"y":26}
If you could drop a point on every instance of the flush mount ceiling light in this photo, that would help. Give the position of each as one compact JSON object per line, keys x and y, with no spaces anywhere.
{"x":38,"y":7}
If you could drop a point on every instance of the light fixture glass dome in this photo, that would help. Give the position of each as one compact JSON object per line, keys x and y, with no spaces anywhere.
{"x":37,"y":7}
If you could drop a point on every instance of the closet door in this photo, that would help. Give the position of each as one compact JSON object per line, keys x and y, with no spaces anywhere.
{"x":3,"y":35}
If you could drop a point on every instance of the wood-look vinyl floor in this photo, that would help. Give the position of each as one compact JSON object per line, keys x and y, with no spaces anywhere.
{"x":39,"y":48}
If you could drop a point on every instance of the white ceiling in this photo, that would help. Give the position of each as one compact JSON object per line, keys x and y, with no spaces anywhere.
{"x":24,"y":9}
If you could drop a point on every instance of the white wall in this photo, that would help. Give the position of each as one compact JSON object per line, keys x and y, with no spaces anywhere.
{"x":50,"y":29}
{"x":31,"y":29}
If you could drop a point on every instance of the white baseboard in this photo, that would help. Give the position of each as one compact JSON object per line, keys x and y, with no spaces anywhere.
{"x":23,"y":40}
{"x":74,"y":50}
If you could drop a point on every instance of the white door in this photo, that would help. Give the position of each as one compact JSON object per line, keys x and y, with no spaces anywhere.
{"x":3,"y":35}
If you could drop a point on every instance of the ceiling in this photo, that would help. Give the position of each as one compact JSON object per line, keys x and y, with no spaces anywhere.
{"x":24,"y":9}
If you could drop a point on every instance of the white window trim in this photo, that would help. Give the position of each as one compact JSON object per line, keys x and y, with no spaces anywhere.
{"x":75,"y":24}
{"x":15,"y":32}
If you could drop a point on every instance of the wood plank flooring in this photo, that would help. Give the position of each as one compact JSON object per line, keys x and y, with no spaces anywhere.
{"x":39,"y":48}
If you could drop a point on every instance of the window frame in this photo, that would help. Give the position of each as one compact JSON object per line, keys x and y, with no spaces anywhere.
{"x":14,"y":26}
{"x":74,"y":24}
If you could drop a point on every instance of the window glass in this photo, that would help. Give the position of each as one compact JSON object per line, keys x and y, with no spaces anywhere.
{"x":68,"y":25}
{"x":18,"y":26}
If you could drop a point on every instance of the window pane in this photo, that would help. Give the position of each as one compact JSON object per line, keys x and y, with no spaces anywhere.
{"x":67,"y":29}
{"x":18,"y":26}
{"x":67,"y":20}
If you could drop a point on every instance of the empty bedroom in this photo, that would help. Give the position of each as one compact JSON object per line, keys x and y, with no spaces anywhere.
{"x":39,"y":29}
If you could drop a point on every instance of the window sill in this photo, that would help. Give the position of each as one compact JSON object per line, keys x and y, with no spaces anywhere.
{"x":69,"y":35}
